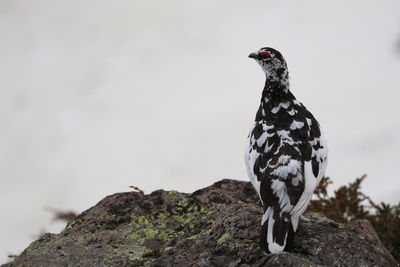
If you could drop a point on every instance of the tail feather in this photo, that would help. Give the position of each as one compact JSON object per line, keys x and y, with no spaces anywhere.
{"x":295,"y":222}
{"x":277,"y":233}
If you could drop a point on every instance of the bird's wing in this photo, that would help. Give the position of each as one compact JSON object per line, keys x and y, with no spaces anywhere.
{"x":314,"y":167}
{"x":250,"y":156}
{"x":255,"y":156}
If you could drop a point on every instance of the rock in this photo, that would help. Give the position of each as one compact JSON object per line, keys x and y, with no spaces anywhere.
{"x":215,"y":226}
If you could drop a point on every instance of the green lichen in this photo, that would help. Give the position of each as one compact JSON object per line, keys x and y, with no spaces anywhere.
{"x":183,"y":202}
{"x":192,"y":237}
{"x":163,"y":216}
{"x":193,"y":208}
{"x":141,"y":220}
{"x":184,"y":218}
{"x":157,"y":225}
{"x":150,"y":233}
{"x":137,"y":237}
{"x":72,"y":224}
{"x":316,"y":250}
{"x":133,"y":252}
{"x":234,"y":246}
{"x":222,"y":239}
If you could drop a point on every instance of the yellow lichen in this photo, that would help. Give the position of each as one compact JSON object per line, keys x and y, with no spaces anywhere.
{"x":183,"y":202}
{"x":222,"y":239}
{"x":150,"y":233}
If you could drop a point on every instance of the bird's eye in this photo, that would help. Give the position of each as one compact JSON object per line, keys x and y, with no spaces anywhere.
{"x":265,"y":53}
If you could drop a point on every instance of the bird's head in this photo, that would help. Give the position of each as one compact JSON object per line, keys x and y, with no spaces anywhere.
{"x":272,"y":63}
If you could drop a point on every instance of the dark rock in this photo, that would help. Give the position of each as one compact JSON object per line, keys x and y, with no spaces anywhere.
{"x":215,"y":226}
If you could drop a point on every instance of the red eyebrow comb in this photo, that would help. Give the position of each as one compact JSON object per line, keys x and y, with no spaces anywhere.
{"x":265,"y":53}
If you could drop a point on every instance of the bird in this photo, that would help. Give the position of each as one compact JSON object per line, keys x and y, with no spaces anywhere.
{"x":285,"y":155}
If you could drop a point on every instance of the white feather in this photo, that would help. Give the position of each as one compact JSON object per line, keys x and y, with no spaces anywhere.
{"x":250,"y":157}
{"x":310,"y":181}
{"x":295,"y":222}
{"x":279,"y":189}
{"x":296,"y":125}
{"x":273,"y":247}
{"x":266,"y":215}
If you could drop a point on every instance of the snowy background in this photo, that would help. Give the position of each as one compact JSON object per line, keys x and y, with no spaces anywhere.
{"x":99,"y":95}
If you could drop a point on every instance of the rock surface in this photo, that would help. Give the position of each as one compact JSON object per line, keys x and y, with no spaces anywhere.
{"x":215,"y":226}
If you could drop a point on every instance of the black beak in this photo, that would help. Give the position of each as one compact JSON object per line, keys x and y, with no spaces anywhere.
{"x":253,"y":55}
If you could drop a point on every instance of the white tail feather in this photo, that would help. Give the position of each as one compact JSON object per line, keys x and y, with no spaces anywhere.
{"x":295,"y":222}
{"x":311,"y":183}
{"x":273,"y":247}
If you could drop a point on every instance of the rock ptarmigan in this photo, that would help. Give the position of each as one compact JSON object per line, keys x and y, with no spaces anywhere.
{"x":286,"y":154}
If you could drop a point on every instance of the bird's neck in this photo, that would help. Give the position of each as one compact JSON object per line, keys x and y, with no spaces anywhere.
{"x":275,"y":91}
{"x":275,"y":86}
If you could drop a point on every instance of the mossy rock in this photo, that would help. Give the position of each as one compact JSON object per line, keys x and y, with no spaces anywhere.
{"x":215,"y":226}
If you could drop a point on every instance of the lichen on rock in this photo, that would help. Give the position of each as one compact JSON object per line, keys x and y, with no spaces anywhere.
{"x":215,"y":226}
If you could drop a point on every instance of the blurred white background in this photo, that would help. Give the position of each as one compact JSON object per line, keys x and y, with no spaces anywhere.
{"x":99,"y":95}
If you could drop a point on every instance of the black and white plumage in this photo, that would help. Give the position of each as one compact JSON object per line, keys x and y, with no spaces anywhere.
{"x":286,"y":154}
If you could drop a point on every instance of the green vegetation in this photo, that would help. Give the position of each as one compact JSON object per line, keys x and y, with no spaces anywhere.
{"x":349,"y":203}
{"x":158,"y":224}
{"x":222,"y":239}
